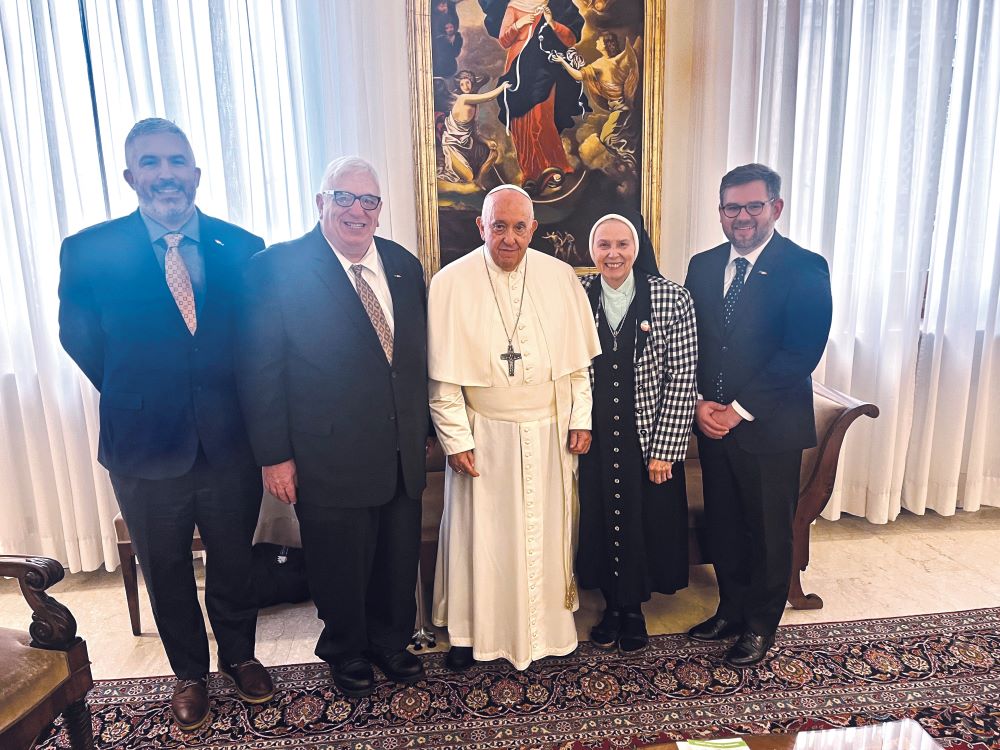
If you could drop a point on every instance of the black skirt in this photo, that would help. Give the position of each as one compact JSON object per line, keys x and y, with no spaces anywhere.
{"x":633,"y":533}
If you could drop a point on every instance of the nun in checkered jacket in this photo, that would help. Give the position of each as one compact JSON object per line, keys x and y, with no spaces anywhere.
{"x":633,"y":503}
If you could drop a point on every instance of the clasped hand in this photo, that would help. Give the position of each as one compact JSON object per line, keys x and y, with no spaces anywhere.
{"x":715,"y":420}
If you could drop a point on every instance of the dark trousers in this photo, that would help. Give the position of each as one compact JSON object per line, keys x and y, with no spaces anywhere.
{"x":362,"y":569}
{"x":161,"y":516}
{"x":750,"y":501}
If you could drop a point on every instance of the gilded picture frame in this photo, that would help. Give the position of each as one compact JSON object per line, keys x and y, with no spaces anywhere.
{"x":470,"y":60}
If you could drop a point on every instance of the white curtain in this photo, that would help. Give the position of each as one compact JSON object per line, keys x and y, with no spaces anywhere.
{"x":267,"y":92}
{"x":881,"y":118}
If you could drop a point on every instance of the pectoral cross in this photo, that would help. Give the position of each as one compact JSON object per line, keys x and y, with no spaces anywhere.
{"x":510,"y":358}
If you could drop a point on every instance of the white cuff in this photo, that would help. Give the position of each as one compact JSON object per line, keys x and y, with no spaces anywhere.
{"x":742,"y":412}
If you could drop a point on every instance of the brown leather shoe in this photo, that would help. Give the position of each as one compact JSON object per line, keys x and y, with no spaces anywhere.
{"x":253,"y":683}
{"x":189,"y":704}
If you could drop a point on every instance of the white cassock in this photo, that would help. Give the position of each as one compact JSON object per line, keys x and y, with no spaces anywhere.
{"x":504,"y":581}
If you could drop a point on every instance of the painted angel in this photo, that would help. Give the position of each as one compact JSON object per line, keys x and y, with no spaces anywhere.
{"x":612,"y":81}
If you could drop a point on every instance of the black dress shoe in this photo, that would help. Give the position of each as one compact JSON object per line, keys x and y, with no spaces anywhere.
{"x":459,"y":658}
{"x":398,"y":666}
{"x":749,"y":649}
{"x":715,"y":628}
{"x":354,"y":676}
{"x":605,"y":633}
{"x":633,"y":636}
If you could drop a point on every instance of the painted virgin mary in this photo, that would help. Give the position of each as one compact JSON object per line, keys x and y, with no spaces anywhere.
{"x":543,"y":98}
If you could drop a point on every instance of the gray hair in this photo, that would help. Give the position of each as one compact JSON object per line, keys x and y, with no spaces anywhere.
{"x":751,"y":173}
{"x":345,"y":165}
{"x":150,"y":126}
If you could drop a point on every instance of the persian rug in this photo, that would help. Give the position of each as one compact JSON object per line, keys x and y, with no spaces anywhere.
{"x":941,"y":670}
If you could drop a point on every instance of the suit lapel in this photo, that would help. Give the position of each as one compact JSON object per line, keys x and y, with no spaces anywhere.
{"x":759,"y":281}
{"x":716,"y":284}
{"x":142,"y":272}
{"x":329,"y":269}
{"x":213,"y":256}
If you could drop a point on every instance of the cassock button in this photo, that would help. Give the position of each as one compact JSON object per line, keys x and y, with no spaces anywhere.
{"x":614,"y":367}
{"x":616,"y":572}
{"x":616,"y":559}
{"x":617,"y":529}
{"x":617,"y":384}
{"x":617,"y":481}
{"x":616,"y":466}
{"x":615,"y":399}
{"x":616,"y":433}
{"x":618,"y":544}
{"x":617,"y":450}
{"x":618,"y":512}
{"x":616,"y":417}
{"x":618,"y":496}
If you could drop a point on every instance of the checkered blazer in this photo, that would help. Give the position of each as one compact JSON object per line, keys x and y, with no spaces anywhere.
{"x":666,"y":361}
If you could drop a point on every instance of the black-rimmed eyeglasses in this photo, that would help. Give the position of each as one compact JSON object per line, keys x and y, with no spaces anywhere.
{"x":346,"y":199}
{"x":732,"y":210}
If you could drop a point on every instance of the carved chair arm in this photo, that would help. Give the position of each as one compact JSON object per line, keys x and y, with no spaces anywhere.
{"x":53,"y":626}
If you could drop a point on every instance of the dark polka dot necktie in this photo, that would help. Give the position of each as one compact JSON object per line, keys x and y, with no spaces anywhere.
{"x":728,"y":308}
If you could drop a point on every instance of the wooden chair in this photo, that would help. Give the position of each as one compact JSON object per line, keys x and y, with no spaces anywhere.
{"x":126,"y":555}
{"x":45,"y":671}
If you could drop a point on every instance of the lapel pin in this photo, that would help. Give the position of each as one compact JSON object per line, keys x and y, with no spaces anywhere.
{"x":398,"y":275}
{"x":762,"y":273}
{"x":644,"y":326}
{"x":220,"y":243}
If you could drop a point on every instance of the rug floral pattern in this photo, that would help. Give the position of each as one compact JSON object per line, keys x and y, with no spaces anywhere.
{"x":941,"y":670}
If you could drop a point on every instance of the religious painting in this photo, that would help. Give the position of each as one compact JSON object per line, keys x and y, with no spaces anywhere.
{"x":560,"y":97}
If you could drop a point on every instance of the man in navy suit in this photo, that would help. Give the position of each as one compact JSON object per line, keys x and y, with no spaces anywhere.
{"x":333,"y":374}
{"x":147,"y":307}
{"x":763,"y":306}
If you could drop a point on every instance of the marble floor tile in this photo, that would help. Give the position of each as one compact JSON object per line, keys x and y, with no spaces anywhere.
{"x":917,"y":564}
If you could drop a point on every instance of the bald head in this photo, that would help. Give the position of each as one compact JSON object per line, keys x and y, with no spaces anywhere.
{"x":507,"y":225}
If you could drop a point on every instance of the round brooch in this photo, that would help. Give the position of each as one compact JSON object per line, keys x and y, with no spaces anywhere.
{"x":645,"y":326}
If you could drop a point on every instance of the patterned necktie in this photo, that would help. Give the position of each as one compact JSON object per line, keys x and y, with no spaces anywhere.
{"x":179,"y":280}
{"x":374,"y":310}
{"x":733,"y":293}
{"x":728,"y":307}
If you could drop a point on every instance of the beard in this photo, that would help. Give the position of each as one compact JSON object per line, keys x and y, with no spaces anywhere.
{"x":168,"y":208}
{"x":748,"y":242}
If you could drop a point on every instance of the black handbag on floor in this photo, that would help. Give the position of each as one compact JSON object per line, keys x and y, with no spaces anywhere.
{"x":279,"y":574}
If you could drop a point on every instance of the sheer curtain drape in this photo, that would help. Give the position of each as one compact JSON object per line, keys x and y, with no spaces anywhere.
{"x":882,"y":118}
{"x":267,"y":92}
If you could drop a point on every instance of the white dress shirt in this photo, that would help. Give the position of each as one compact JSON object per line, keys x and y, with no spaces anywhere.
{"x":374,"y":274}
{"x":750,"y":257}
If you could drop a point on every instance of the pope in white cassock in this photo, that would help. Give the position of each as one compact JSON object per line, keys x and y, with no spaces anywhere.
{"x":510,"y":338}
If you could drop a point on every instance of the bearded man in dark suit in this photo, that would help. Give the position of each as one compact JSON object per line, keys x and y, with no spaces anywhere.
{"x":147,"y":308}
{"x":764,"y":307}
{"x":333,"y":375}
